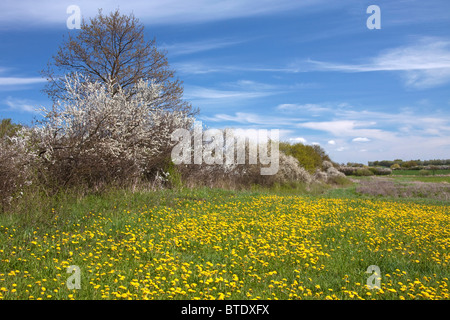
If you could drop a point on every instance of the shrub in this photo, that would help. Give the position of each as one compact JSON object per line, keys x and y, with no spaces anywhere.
{"x":424,"y":172}
{"x":309,"y":157}
{"x":409,"y":164}
{"x":320,"y":176}
{"x":100,"y":136}
{"x":237,"y":176}
{"x":332,"y":171}
{"x":364,"y":172}
{"x":327,"y":165}
{"x":380,"y":171}
{"x":339,"y":180}
{"x":290,"y":170}
{"x":348,"y":171}
{"x":16,"y":165}
{"x":8,"y":129}
{"x":330,"y":175}
{"x":173,"y":176}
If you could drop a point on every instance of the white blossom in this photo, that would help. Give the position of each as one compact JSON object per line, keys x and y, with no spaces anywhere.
{"x":100,"y":123}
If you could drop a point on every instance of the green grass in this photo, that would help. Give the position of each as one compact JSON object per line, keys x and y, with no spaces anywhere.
{"x":284,"y":243}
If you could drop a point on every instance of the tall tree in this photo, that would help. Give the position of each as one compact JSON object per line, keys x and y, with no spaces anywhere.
{"x":112,"y":49}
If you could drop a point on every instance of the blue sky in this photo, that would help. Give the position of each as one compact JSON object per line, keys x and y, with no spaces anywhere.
{"x":311,"y":69}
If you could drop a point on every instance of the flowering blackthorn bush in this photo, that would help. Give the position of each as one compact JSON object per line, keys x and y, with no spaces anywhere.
{"x":100,"y":135}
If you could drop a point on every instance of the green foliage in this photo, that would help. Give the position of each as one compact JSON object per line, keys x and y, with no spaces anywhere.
{"x":409,"y":164}
{"x":433,"y":169}
{"x":309,"y":157}
{"x":424,"y":172}
{"x":363,"y":172}
{"x":8,"y":129}
{"x":354,"y":164}
{"x":380,"y":171}
{"x":339,"y":181}
{"x":174,"y":176}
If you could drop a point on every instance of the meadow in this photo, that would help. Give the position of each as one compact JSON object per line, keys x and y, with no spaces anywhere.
{"x":218,"y":244}
{"x":430,"y":173}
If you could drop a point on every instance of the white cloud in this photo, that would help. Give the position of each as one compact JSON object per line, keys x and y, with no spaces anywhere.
{"x":349,"y":128}
{"x":198,"y":46}
{"x":298,"y":139}
{"x":360,"y":139}
{"x":251,"y":85}
{"x":230,"y":92}
{"x":254,"y":133}
{"x":308,"y":107}
{"x":22,"y":105}
{"x":202,"y":67}
{"x":10,"y":81}
{"x":195,"y":92}
{"x":195,"y":67}
{"x":240,"y":117}
{"x":344,"y":131}
{"x":424,"y":64}
{"x":423,"y":79}
{"x":46,"y":12}
{"x":253,"y":119}
{"x":339,"y":127}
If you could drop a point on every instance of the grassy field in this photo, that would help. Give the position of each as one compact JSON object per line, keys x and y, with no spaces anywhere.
{"x":216,"y":244}
{"x":410,"y":178}
{"x":417,"y":172}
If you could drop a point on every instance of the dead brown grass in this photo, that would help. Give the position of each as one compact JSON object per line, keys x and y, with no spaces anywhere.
{"x":378,"y":186}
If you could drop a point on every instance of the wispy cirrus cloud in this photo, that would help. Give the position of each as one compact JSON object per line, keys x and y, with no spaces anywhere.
{"x":200,"y":67}
{"x":185,"y":48}
{"x":202,"y":93}
{"x":423,"y":64}
{"x":361,"y":139}
{"x":8,"y":82}
{"x":151,"y":12}
{"x":12,"y":81}
{"x":348,"y":128}
{"x":238,"y":90}
{"x":252,"y":119}
{"x":307,"y":107}
{"x":21,"y":105}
